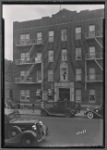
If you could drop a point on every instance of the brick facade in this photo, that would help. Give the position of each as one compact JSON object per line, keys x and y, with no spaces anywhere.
{"x":62,"y":20}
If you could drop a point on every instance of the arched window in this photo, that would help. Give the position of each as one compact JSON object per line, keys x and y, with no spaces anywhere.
{"x":64,"y":71}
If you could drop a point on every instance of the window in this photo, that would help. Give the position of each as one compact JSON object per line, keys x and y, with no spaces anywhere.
{"x":25,"y":95}
{"x":64,"y":55}
{"x":23,"y":74}
{"x":64,"y":72}
{"x":39,"y":37}
{"x":24,"y":37}
{"x":92,"y":51}
{"x":78,"y":74}
{"x":78,"y":53}
{"x":50,"y":75}
{"x":25,"y":57}
{"x":78,"y":95}
{"x":92,"y":96}
{"x":78,"y":33}
{"x":51,"y":36}
{"x":39,"y":57}
{"x":51,"y":56}
{"x":64,"y":35}
{"x":38,"y":75}
{"x":91,"y":30}
{"x":91,"y":73}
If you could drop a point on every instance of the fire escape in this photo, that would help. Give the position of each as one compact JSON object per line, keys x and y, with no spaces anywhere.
{"x":97,"y":57}
{"x":33,"y":62}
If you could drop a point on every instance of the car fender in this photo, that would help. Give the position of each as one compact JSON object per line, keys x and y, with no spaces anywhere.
{"x":95,"y":113}
{"x":30,"y":132}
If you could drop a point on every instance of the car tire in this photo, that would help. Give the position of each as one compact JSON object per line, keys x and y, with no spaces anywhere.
{"x":68,"y":113}
{"x":28,"y":141}
{"x":90,"y":115}
{"x":14,"y":131}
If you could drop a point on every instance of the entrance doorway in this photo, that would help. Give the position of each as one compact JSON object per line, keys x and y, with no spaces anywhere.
{"x":64,"y":93}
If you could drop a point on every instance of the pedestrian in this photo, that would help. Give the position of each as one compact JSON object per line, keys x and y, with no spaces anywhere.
{"x":33,"y":107}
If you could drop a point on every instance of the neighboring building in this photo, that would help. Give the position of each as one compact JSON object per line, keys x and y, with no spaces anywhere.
{"x":8,"y":80}
{"x":59,"y":57}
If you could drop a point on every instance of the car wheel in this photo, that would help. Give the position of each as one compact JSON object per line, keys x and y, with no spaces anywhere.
{"x":68,"y":113}
{"x":28,"y":141}
{"x":90,"y":115}
{"x":14,"y":131}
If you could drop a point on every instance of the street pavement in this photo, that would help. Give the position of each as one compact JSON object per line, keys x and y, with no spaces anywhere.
{"x":71,"y":132}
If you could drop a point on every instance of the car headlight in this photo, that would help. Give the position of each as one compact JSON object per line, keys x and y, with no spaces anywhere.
{"x":88,"y":109}
{"x":96,"y":110}
{"x":34,"y":127}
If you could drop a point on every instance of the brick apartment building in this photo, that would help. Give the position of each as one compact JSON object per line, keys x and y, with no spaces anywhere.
{"x":59,"y":57}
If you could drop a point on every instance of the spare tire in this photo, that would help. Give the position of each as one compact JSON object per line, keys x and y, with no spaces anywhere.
{"x":14,"y":130}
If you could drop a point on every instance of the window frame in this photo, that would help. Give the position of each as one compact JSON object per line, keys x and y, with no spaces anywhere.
{"x":78,"y":53}
{"x":50,"y":36}
{"x":63,"y":35}
{"x":92,"y":101}
{"x":78,"y":94}
{"x":50,"y":75}
{"x":64,"y":55}
{"x":78,"y":74}
{"x":78,"y":34}
{"x":50,"y":56}
{"x":25,"y":95}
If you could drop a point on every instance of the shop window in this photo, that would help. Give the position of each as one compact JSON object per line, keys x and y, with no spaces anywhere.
{"x":51,"y":36}
{"x":92,"y":97}
{"x":78,"y":53}
{"x":78,"y":95}
{"x":50,"y":56}
{"x":50,"y":75}
{"x":78,"y":74}
{"x":64,"y":54}
{"x":64,"y":35}
{"x":78,"y":33}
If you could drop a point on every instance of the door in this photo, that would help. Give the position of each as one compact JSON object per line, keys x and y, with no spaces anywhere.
{"x":64,"y":93}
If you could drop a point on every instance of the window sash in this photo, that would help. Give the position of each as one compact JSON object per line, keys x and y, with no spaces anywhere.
{"x":92,"y":28}
{"x":64,"y":35}
{"x":64,"y":55}
{"x":78,"y":30}
{"x":50,"y":56}
{"x":78,"y":74}
{"x":50,"y":75}
{"x":64,"y":75}
{"x":92,"y":96}
{"x":78,"y":53}
{"x":78,"y":95}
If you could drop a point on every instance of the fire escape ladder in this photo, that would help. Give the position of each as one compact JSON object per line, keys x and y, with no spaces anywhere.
{"x":98,"y":42}
{"x":98,"y":64}
{"x":31,"y":68}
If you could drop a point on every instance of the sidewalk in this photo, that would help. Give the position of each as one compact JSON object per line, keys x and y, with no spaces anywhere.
{"x":29,"y":112}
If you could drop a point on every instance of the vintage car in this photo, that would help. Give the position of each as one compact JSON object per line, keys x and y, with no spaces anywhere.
{"x":60,"y":108}
{"x":23,"y":132}
{"x":94,"y":112}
